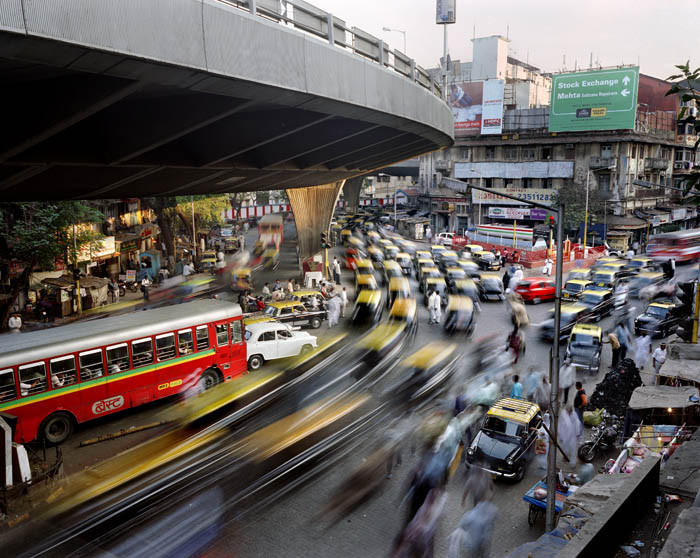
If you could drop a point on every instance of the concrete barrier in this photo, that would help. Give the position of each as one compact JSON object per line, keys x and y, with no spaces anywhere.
{"x":614,"y":519}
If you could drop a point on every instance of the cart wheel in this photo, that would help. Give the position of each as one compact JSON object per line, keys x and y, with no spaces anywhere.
{"x":532,"y":514}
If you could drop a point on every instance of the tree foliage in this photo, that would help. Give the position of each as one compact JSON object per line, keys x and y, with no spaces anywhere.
{"x":40,"y":232}
{"x":573,"y":196}
{"x":687,"y":89}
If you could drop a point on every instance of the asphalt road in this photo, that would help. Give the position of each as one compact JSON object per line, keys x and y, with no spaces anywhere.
{"x":291,"y":526}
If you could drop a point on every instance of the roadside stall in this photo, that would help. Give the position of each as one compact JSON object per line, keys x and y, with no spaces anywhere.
{"x":93,"y":293}
{"x":664,"y":417}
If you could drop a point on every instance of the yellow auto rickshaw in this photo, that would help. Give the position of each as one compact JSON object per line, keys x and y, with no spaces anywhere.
{"x":398,"y":288}
{"x":241,"y":279}
{"x":271,"y":258}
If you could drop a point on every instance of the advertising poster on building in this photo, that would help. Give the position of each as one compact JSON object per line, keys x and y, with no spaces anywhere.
{"x":492,"y":107}
{"x":539,"y":195}
{"x":512,"y":213}
{"x":446,"y":11}
{"x":466,"y":101}
{"x":598,"y":100}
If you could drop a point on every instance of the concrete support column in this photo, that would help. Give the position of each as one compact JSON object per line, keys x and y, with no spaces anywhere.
{"x":313,"y":209}
{"x":351,"y":194}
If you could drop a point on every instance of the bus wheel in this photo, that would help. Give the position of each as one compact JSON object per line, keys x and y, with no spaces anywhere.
{"x":209,"y":379}
{"x":56,"y":428}
{"x":255,"y":362}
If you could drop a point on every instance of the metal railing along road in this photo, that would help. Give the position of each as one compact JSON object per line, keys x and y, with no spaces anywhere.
{"x":313,"y":21}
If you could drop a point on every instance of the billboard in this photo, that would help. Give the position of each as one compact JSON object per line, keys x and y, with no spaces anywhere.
{"x":466,"y":102}
{"x":512,"y":213}
{"x":597,"y":100}
{"x":446,"y":11}
{"x":539,"y":195}
{"x":492,"y":107}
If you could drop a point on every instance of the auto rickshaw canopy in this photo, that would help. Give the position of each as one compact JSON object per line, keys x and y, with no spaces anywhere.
{"x":403,"y":309}
{"x":369,"y":297}
{"x":430,"y":355}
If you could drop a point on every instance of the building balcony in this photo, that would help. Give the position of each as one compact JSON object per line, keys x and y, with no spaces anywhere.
{"x":655,"y":163}
{"x":602,"y":162}
{"x":640,"y":193}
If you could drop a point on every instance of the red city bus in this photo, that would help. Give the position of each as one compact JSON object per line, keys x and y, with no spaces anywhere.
{"x":270,"y":229}
{"x":682,"y":246}
{"x":53,"y":379}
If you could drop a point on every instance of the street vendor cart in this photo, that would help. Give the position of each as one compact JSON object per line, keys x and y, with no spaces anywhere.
{"x":538,"y":505}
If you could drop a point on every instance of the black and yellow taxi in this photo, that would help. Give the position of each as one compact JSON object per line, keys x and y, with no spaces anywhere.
{"x":295,"y":314}
{"x":604,"y":279}
{"x":425,"y":374}
{"x":427,"y":272}
{"x":491,"y":287}
{"x":368,"y":308}
{"x":345,"y":235}
{"x":487,"y":260}
{"x":375,"y":254}
{"x":470,"y":249}
{"x":600,"y":303}
{"x":470,"y":267}
{"x":405,"y":262}
{"x":580,"y":273}
{"x":584,"y":347}
{"x":436,"y":249}
{"x":271,"y":258}
{"x":379,"y":343}
{"x":398,"y":287}
{"x":573,"y":288}
{"x":391,"y":269}
{"x":459,"y":315}
{"x":505,"y":443}
{"x":404,"y":310}
{"x":644,"y":280}
{"x":639,"y":264}
{"x":390,"y":251}
{"x":658,"y":318}
{"x":571,"y":314}
{"x":365,"y":282}
{"x":373,"y":237}
{"x":422,"y":255}
{"x":305,"y":295}
{"x":453,"y":274}
{"x":434,"y":284}
{"x":606,"y":260}
{"x":446,"y":259}
{"x":465,"y":287}
{"x":620,"y":269}
{"x":363,"y":267}
{"x":423,"y":262}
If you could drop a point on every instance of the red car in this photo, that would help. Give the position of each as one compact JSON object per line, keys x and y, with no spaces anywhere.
{"x":536,"y":289}
{"x":352,"y":254}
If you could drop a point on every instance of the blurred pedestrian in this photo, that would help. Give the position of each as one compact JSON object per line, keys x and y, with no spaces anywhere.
{"x":568,"y":432}
{"x":145,"y":283}
{"x":277,"y":286}
{"x":472,"y":537}
{"x":334,"y":305}
{"x":418,"y":537}
{"x":516,"y":343}
{"x":290,"y":286}
{"x":547,"y":269}
{"x":541,"y":395}
{"x":623,"y":338}
{"x":642,"y":351}
{"x":615,"y":347}
{"x":15,"y":322}
{"x":343,"y":301}
{"x":516,"y":389}
{"x":567,"y":377}
{"x":431,"y":306}
{"x":243,"y":301}
{"x":437,"y":306}
{"x":506,"y":280}
{"x":517,"y":277}
{"x":479,"y":485}
{"x":580,"y":401}
{"x":266,"y":291}
{"x":336,"y":271}
{"x":658,"y":358}
{"x":260,"y":304}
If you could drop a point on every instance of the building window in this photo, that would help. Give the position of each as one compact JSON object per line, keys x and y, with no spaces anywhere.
{"x":680,"y":155}
{"x":548,"y":183}
{"x":528,"y":183}
{"x":490,"y":153}
{"x":664,"y":153}
{"x":606,"y":150}
{"x":547,"y":152}
{"x":634,"y":151}
{"x":509,"y":182}
{"x":570,"y":151}
{"x":604,"y":182}
{"x":465,"y":154}
{"x":488,"y":182}
{"x":510,"y":153}
{"x":529,"y":153}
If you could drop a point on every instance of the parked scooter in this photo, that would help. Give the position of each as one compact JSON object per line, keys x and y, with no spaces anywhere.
{"x":123,"y":285}
{"x":604,"y":437}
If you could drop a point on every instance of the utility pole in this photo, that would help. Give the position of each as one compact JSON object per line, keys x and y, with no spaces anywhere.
{"x":194,"y":235}
{"x":585,"y":218}
{"x":554,"y":393}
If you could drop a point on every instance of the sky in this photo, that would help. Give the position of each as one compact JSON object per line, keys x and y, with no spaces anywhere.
{"x":551,"y":34}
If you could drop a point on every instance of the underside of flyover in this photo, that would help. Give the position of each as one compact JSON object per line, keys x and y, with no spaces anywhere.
{"x":84,"y":124}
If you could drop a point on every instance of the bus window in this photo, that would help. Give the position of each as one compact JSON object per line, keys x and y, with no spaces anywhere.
{"x":117,"y":358}
{"x":91,"y":364}
{"x":63,"y":372}
{"x":165,"y":346}
{"x":142,"y":352}
{"x":202,"y":338}
{"x":184,"y":341}
{"x":221,"y":335}
{"x":236,"y":332}
{"x":7,"y":385}
{"x":32,"y":378}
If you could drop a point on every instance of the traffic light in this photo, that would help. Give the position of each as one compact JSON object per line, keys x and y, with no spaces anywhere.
{"x":324,"y":240}
{"x":76,"y":274}
{"x":551,"y":222}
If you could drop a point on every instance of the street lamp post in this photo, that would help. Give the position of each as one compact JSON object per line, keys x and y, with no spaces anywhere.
{"x":397,"y":31}
{"x":554,"y":392}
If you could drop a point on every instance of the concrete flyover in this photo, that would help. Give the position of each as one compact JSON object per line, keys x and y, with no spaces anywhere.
{"x":108,"y":99}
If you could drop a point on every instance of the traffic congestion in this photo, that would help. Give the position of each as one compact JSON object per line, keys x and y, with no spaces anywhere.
{"x":377,"y":390}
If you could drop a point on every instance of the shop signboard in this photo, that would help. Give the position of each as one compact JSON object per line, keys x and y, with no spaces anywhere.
{"x":678,"y":214}
{"x":103,"y":248}
{"x":597,"y":100}
{"x":128,"y":245}
{"x":130,"y":275}
{"x":492,"y":107}
{"x":539,"y":195}
{"x":664,"y":218}
{"x":512,"y":213}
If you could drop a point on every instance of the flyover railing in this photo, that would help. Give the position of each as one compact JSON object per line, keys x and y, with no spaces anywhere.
{"x":313,"y":21}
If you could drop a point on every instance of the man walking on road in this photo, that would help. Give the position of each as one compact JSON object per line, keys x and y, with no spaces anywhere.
{"x":145,"y":283}
{"x":658,"y":358}
{"x":614,"y":343}
{"x":437,"y":306}
{"x":580,"y":401}
{"x":343,"y":301}
{"x":336,"y":271}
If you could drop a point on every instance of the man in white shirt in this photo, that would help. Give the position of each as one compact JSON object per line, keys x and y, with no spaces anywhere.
{"x":14,"y":323}
{"x":344,"y":302}
{"x":658,"y":358}
{"x":431,"y":306}
{"x":186,"y":269}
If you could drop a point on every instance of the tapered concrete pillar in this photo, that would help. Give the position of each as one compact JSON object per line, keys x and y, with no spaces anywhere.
{"x":351,"y":193}
{"x":313,"y":209}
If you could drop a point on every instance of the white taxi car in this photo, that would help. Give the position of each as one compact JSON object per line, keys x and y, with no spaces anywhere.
{"x":270,"y":340}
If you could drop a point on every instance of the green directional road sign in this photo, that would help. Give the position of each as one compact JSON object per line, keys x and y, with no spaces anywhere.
{"x":598,"y":100}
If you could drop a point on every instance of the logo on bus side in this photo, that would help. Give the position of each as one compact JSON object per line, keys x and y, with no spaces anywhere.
{"x":107,"y":405}
{"x":172,"y":384}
